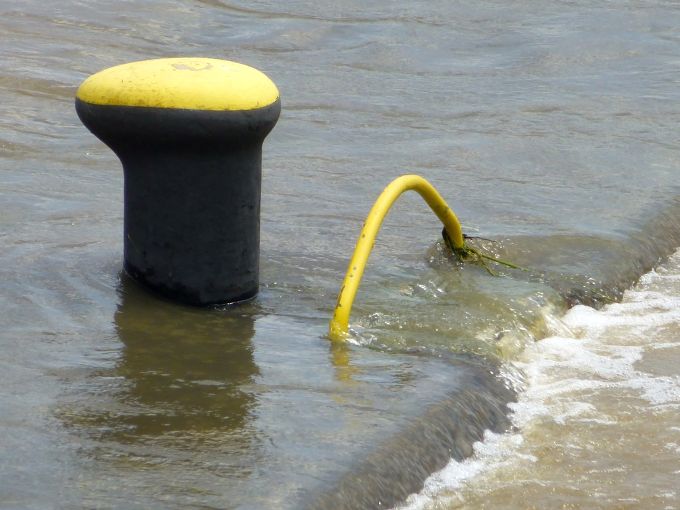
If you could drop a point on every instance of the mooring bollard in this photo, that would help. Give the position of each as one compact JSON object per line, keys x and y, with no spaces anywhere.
{"x":189,"y":134}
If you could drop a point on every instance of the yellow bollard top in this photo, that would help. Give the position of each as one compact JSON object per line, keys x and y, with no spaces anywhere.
{"x":181,"y":83}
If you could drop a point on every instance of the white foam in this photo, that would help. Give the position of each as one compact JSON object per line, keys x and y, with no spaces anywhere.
{"x":658,"y":390}
{"x":496,"y":451}
{"x":590,"y":350}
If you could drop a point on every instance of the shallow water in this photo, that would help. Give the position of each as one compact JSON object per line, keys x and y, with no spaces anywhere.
{"x":548,"y":126}
{"x":596,"y":425}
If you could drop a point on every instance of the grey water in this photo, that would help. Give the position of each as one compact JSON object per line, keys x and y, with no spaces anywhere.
{"x":549,"y":127}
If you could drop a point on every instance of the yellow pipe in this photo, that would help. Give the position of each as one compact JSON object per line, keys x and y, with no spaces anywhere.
{"x":340,"y":322}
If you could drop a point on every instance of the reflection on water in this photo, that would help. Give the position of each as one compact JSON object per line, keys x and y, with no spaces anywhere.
{"x":341,"y":359}
{"x":184,"y":369}
{"x":179,"y":393}
{"x":180,"y":370}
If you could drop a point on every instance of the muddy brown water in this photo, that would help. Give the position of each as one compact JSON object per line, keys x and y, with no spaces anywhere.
{"x":548,"y":126}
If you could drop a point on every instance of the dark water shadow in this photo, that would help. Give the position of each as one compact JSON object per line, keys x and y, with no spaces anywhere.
{"x":181,"y":376}
{"x":184,"y":367}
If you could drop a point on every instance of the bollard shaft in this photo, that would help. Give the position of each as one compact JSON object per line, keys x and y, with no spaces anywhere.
{"x":189,"y":134}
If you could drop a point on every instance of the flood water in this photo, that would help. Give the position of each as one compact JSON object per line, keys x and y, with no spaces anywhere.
{"x":550,"y":127}
{"x":596,"y":425}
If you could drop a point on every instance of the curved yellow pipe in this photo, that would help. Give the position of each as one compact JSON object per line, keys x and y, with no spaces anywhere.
{"x":340,"y":322}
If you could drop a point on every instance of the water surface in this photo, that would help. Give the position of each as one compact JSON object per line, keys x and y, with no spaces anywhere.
{"x":549,"y":126}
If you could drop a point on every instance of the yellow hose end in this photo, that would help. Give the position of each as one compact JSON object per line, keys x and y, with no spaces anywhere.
{"x":339,"y":324}
{"x":337,"y":332}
